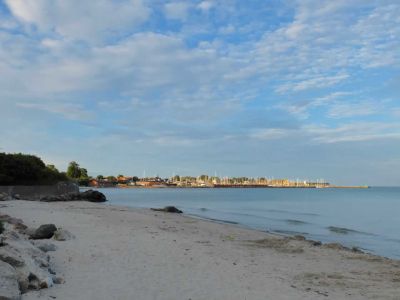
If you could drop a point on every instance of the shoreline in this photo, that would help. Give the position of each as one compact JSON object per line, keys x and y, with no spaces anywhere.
{"x":227,"y":187}
{"x":202,"y":259}
{"x":282,"y":234}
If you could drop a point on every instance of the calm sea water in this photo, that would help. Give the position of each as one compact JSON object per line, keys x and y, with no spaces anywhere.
{"x":365,"y":218}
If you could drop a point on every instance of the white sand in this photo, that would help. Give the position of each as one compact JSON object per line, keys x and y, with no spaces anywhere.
{"x":123,"y":253}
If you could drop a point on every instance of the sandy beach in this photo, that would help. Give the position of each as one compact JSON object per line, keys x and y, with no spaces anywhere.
{"x":125,"y":253}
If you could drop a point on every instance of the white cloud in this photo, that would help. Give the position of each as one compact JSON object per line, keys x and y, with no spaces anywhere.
{"x":269,"y":133}
{"x":178,"y":82}
{"x":205,"y":5}
{"x":396,"y":112}
{"x":353,"y":132}
{"x":346,"y":110}
{"x":228,"y":29}
{"x":176,"y":10}
{"x":91,"y":21}
{"x":322,"y":44}
{"x":67,"y":110}
{"x":312,"y":83}
{"x":301,"y":108}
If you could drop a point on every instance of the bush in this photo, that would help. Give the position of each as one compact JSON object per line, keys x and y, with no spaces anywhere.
{"x":23,"y":169}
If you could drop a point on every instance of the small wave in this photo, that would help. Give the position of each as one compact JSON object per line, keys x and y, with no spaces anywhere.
{"x":292,"y":212}
{"x":343,"y":230}
{"x":340,"y":230}
{"x":393,"y":240}
{"x":214,"y":220}
{"x":295,"y":222}
{"x":289,"y":232}
{"x":223,"y":221}
{"x":278,"y":211}
{"x":203,"y":209}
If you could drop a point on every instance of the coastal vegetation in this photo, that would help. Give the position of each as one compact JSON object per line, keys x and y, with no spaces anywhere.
{"x":77,"y":173}
{"x":25,"y":169}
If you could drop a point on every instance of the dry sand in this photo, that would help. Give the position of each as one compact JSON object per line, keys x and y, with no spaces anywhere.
{"x":125,"y":253}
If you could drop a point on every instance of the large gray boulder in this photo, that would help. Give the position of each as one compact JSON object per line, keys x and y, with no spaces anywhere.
{"x":45,"y":231}
{"x":90,"y":195}
{"x":169,"y":209}
{"x":93,"y":196}
{"x":9,"y":287}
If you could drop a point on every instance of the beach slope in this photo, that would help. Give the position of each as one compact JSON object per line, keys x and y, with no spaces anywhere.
{"x":125,"y":253}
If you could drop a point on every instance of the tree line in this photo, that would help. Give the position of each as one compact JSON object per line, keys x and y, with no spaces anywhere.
{"x":25,"y":169}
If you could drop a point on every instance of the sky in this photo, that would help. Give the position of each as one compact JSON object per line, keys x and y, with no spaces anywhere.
{"x":285,"y":89}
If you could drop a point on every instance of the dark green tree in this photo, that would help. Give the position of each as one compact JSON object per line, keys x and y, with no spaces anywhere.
{"x":52,"y":168}
{"x":74,"y":171}
{"x":112,"y":179}
{"x":24,"y":169}
{"x":135,"y":179}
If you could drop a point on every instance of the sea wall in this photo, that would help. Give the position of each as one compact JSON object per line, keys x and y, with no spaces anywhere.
{"x":39,"y":191}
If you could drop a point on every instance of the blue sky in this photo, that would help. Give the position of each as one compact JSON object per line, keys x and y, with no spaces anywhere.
{"x":300,"y":89}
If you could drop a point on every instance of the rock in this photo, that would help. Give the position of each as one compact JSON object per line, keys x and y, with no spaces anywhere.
{"x":61,"y":198}
{"x":33,"y":273}
{"x":37,"y":280}
{"x":45,"y":231}
{"x":30,"y":263}
{"x":169,"y":209}
{"x":90,"y":195}
{"x":11,"y":256}
{"x":10,"y":220}
{"x":335,"y":246}
{"x":20,"y":227}
{"x":5,"y":197}
{"x":356,"y":250}
{"x":29,"y":231}
{"x":93,"y":196}
{"x":314,"y":243}
{"x":58,"y":279}
{"x":45,"y":247}
{"x":299,"y":238}
{"x":26,"y":249}
{"x":9,"y":288}
{"x":49,"y":199}
{"x":2,"y":241}
{"x":63,"y":235}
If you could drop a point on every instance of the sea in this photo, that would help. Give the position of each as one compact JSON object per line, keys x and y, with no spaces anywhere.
{"x":365,"y":218}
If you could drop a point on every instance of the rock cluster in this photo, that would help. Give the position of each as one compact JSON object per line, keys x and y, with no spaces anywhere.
{"x":169,"y":209}
{"x":90,"y":195}
{"x":5,"y":197}
{"x":24,"y":262}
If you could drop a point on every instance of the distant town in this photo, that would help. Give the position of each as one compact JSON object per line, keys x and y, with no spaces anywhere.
{"x":203,"y":181}
{"x":80,"y":175}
